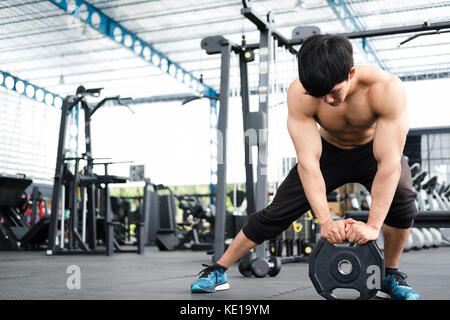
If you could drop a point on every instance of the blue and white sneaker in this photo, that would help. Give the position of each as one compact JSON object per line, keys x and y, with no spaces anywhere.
{"x":395,"y":286}
{"x":211,"y":279}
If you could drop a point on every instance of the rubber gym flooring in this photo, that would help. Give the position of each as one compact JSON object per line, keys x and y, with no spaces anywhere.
{"x":160,"y":275}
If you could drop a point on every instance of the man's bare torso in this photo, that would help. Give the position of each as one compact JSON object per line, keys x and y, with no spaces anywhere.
{"x":353,"y":122}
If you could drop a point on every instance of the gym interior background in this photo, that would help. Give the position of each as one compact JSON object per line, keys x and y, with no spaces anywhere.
{"x":123,"y":157}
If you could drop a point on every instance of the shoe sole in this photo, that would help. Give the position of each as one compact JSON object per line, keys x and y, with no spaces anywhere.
{"x":224,"y":286}
{"x":220,"y":287}
{"x":383,"y":295}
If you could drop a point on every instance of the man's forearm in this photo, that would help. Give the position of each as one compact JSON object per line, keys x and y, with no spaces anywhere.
{"x":315,"y":190}
{"x":383,"y":189}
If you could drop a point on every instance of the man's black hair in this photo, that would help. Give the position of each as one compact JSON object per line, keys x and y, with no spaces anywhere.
{"x":324,"y":60}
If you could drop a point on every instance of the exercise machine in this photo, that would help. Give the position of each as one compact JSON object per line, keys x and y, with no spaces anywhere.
{"x":17,"y":232}
{"x":82,"y":195}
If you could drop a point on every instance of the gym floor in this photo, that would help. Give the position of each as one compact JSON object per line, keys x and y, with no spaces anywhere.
{"x":166,"y":275}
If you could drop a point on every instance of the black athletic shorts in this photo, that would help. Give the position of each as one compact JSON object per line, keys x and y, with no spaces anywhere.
{"x":338,"y":166}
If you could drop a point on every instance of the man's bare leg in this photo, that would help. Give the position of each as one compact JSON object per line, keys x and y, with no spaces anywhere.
{"x":394,"y":242}
{"x":240,"y":246}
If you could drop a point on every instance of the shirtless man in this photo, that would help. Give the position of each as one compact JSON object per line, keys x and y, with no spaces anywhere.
{"x":348,"y":124}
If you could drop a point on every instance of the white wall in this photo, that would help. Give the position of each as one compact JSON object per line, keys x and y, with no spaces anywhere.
{"x":28,"y":136}
{"x":428,"y":103}
{"x":171,"y":140}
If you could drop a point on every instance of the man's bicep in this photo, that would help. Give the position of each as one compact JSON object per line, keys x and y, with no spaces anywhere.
{"x":392,"y":126}
{"x":306,"y":139}
{"x":389,"y":140}
{"x":301,"y":125}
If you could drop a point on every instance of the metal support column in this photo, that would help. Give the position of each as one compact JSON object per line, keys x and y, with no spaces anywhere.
{"x":261,"y":183}
{"x":213,"y":146}
{"x":245,"y":95}
{"x":58,"y":181}
{"x":221,"y":187}
{"x":109,"y":225}
{"x":91,"y":218}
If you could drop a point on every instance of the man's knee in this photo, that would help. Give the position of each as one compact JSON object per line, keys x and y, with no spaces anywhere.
{"x":403,"y":209}
{"x":259,"y":229}
{"x":402,"y":218}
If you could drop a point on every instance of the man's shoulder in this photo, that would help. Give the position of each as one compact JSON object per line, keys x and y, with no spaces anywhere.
{"x":384,"y":87}
{"x":376,"y":78}
{"x":300,"y":102}
{"x":296,"y":88}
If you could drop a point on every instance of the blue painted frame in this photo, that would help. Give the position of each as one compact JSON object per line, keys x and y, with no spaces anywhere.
{"x":29,"y":90}
{"x":114,"y":30}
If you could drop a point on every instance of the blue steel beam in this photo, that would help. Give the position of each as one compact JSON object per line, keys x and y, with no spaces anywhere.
{"x":29,"y":90}
{"x":114,"y":30}
{"x":349,"y":20}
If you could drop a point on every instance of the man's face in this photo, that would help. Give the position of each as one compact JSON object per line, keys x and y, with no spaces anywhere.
{"x":338,"y":94}
{"x":340,"y":91}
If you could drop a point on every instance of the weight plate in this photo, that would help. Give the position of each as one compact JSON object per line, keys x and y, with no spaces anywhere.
{"x":347,"y":258}
{"x":245,"y":264}
{"x":366,"y":274}
{"x":245,"y":272}
{"x":260,"y":267}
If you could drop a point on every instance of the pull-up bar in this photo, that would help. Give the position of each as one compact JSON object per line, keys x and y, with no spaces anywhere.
{"x":299,"y":34}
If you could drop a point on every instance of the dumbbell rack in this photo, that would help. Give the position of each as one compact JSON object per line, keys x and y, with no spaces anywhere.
{"x":433,"y":201}
{"x":276,"y":249}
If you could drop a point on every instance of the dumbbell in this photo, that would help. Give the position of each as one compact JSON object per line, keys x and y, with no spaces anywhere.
{"x":418,"y":239}
{"x":273,"y":247}
{"x":306,"y":247}
{"x":289,"y":245}
{"x":437,"y":237}
{"x":409,"y":243}
{"x":259,"y":267}
{"x":278,"y":248}
{"x":262,"y":267}
{"x":428,"y":237}
{"x":299,"y":246}
{"x":245,"y":264}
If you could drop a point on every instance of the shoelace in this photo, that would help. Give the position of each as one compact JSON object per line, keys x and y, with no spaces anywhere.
{"x":400,"y":278}
{"x":208,"y":270}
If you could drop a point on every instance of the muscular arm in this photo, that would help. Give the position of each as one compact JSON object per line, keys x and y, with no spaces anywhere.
{"x":306,"y":138}
{"x":389,"y":103}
